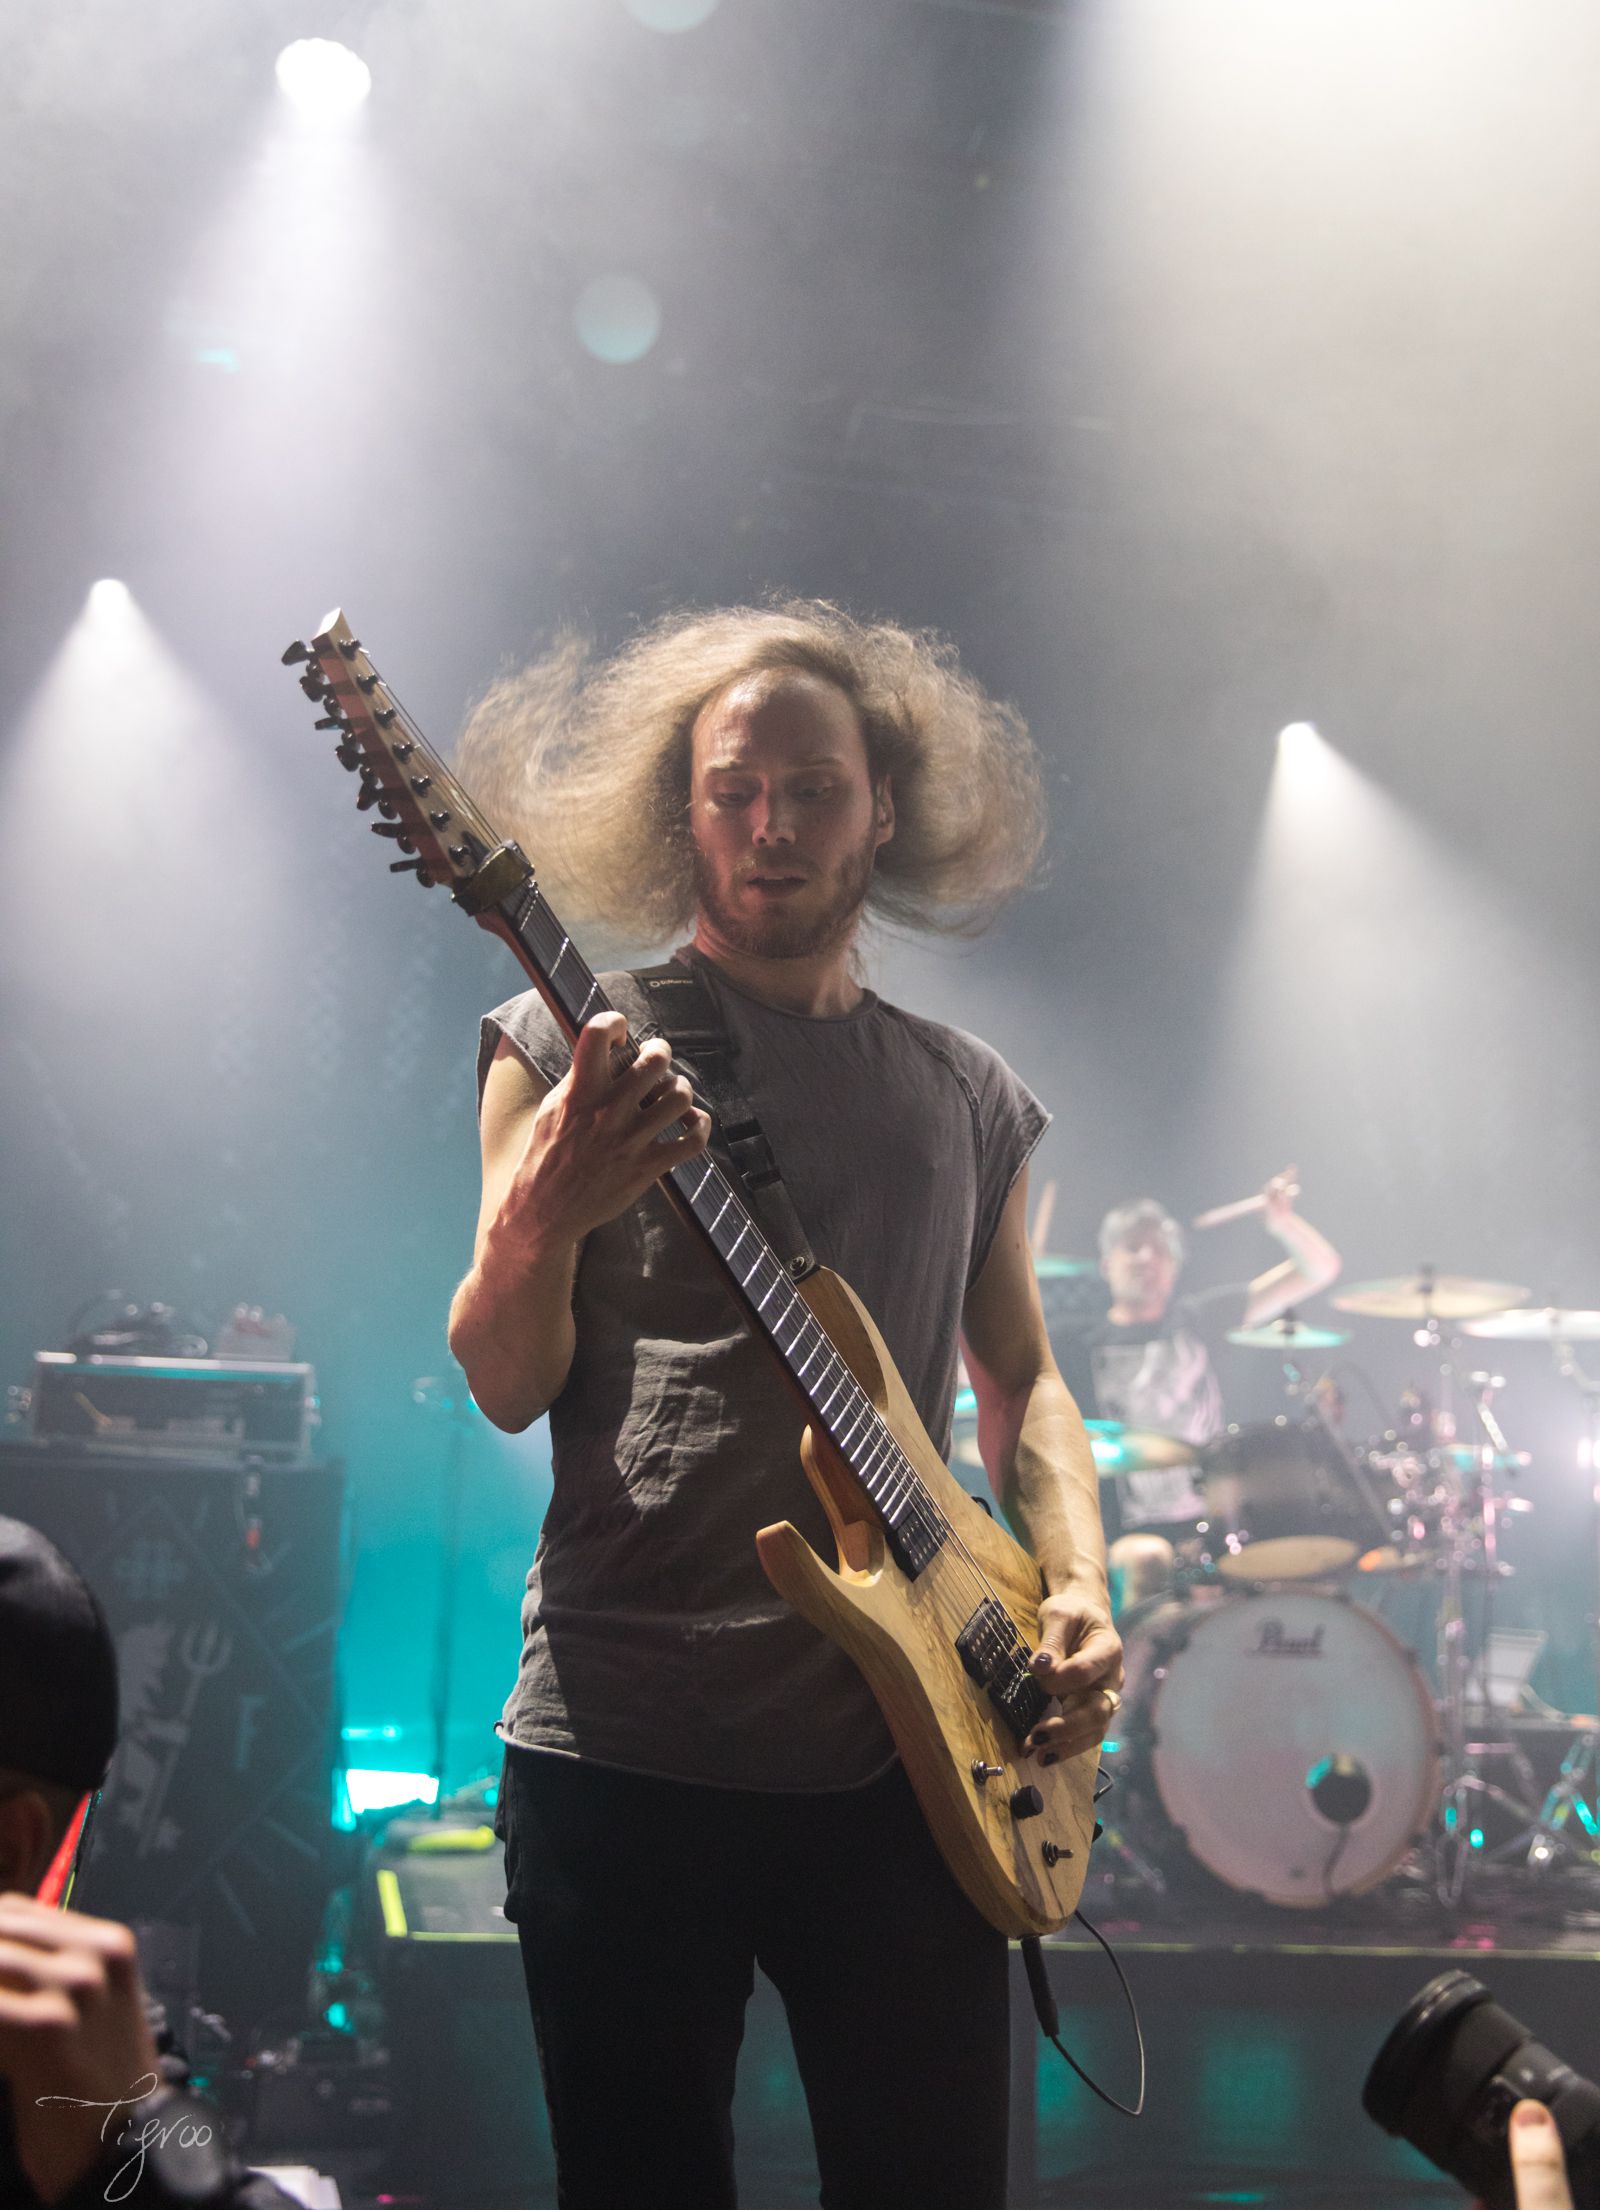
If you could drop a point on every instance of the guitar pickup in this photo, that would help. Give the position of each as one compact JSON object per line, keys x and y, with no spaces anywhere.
{"x":994,"y":1656}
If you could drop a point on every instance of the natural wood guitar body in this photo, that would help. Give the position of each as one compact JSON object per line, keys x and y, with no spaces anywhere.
{"x":901,"y":1633}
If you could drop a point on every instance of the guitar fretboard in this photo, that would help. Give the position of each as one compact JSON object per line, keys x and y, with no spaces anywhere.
{"x":914,"y":1525}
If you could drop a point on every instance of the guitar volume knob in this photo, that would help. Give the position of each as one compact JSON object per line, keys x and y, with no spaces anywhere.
{"x":1026,"y":1803}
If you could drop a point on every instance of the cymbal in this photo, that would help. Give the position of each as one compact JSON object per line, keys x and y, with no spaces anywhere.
{"x":1288,"y":1335}
{"x":1051,"y":1267}
{"x":1389,"y":1557}
{"x":1429,"y":1296}
{"x":1117,"y":1449}
{"x":1537,"y":1324}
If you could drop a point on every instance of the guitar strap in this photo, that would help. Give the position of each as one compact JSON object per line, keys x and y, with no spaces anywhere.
{"x":684,"y":1012}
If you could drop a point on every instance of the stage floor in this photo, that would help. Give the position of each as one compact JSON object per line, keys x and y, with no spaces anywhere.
{"x":1260,"y":2027}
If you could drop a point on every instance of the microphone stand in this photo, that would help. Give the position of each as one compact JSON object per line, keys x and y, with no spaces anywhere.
{"x":453,"y":1402}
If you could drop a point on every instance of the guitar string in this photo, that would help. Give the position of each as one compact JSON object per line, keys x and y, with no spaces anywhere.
{"x":915,"y":1492}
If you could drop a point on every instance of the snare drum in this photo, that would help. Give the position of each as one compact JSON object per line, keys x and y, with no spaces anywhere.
{"x":1282,"y":1503}
{"x":1283,"y":1740}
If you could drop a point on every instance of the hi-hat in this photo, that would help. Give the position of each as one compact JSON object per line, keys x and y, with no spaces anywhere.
{"x":1288,"y":1335}
{"x":1538,"y":1324}
{"x":1429,"y":1296}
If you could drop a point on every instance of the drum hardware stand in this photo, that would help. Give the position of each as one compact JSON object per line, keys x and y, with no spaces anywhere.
{"x":1579,"y":1778}
{"x":1569,"y":1798}
{"x":1539,"y":1840}
{"x":1307,"y":1394}
{"x":1129,"y":1865}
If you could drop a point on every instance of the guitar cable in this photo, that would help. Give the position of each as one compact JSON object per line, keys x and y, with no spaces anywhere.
{"x":1049,"y":2016}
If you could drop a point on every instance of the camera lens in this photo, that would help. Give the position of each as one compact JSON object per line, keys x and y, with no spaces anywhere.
{"x":1448,"y":2076}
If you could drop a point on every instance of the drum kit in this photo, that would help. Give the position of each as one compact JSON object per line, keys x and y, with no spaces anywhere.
{"x":1276,"y":1736}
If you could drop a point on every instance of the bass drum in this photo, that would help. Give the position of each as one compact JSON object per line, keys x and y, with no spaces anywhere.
{"x":1285,"y":1740}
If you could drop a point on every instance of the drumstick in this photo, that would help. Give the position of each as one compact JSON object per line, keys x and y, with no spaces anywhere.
{"x":1243,"y":1205}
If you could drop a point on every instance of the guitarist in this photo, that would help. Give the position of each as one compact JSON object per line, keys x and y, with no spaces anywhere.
{"x":695,"y":1780}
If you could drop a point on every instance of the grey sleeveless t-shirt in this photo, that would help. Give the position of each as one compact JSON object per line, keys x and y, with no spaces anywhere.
{"x":652,"y":1640}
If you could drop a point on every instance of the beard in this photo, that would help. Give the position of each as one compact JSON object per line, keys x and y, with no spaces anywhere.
{"x":781,"y":935}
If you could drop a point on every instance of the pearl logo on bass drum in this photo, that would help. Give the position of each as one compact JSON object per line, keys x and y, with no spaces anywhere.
{"x":1273,"y":1641}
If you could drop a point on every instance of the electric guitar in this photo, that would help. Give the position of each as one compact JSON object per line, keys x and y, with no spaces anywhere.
{"x":930,"y":1597}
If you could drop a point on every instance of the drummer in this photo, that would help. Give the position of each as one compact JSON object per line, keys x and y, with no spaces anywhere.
{"x":1145,"y":1362}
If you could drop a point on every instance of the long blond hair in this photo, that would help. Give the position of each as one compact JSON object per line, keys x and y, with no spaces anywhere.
{"x":585,"y":762}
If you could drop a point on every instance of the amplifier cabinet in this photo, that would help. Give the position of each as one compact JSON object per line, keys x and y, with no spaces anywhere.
{"x":224,"y":1589}
{"x":179,"y":1408}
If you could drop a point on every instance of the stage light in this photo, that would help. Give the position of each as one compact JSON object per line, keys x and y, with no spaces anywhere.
{"x":372,"y":1790}
{"x":671,"y":15}
{"x":109,"y":596}
{"x":1310,"y":779}
{"x":618,"y":318}
{"x":323,"y":79}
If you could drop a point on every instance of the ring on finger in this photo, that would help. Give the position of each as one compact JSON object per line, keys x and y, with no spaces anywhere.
{"x":1113,"y":1699}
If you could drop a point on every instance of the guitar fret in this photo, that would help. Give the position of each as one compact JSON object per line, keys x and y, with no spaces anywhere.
{"x":877,"y":1456}
{"x":883,"y":1481}
{"x":848,"y":1434}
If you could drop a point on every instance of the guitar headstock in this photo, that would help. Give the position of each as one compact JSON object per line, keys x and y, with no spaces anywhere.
{"x":421,"y":808}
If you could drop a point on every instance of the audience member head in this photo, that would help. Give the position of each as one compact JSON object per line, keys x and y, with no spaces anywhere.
{"x":58,"y":1701}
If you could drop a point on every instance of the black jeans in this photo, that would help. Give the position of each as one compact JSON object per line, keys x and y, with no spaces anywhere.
{"x":643,"y":1906}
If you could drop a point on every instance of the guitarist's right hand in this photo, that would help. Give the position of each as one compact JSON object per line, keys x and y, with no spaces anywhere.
{"x":599,"y":1139}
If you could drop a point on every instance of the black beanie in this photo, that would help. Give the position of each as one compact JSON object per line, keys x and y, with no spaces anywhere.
{"x":58,"y":1665}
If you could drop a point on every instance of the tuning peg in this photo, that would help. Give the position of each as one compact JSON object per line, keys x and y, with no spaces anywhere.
{"x":368,"y":683}
{"x":296,"y":652}
{"x":383,"y":716}
{"x":332,"y":721}
{"x":368,"y":793}
{"x":397,"y":829}
{"x":348,"y":754}
{"x":411,"y":867}
{"x":403,"y":748}
{"x":313,"y":685}
{"x":388,"y":808}
{"x":439,"y":820}
{"x":422,"y":784}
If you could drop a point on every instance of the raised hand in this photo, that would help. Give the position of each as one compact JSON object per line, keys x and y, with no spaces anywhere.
{"x":599,"y":1138}
{"x":75,"y":2046}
